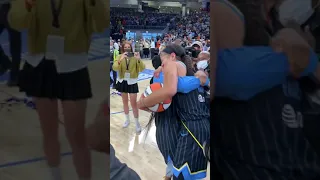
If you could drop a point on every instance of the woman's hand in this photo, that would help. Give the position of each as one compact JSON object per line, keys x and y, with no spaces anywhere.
{"x":305,"y":33}
{"x":157,"y":72}
{"x":137,"y":55}
{"x":141,"y":104}
{"x":296,"y":48}
{"x":202,"y":77}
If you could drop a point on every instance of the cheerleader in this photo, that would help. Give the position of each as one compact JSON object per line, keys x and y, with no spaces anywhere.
{"x":56,"y":68}
{"x":129,"y":65}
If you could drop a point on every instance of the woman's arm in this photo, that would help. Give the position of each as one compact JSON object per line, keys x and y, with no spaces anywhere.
{"x":169,"y":87}
{"x":98,"y":15}
{"x":241,"y":76}
{"x":19,"y":16}
{"x":186,"y":84}
{"x":245,"y":72}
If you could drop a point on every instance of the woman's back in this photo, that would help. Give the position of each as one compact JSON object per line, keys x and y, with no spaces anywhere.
{"x":192,"y":106}
{"x":263,"y":137}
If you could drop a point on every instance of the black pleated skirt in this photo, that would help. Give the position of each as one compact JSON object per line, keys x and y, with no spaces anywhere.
{"x":44,"y":81}
{"x":123,"y":87}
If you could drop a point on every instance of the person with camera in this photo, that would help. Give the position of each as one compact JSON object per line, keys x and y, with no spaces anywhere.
{"x":129,"y":64}
{"x":194,"y":50}
{"x":56,"y":69}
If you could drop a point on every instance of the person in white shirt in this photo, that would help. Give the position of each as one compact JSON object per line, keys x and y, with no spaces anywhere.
{"x":152,"y":47}
{"x":116,"y":46}
{"x":146,"y":49}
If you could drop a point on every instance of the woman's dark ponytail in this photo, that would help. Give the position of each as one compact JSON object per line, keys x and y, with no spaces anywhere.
{"x":188,"y":62}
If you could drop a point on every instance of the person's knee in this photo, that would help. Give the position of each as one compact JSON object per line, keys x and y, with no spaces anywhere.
{"x":133,"y":104}
{"x":76,"y":137}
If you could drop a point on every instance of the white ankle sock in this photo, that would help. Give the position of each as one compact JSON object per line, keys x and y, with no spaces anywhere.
{"x":138,"y":127}
{"x":56,"y":173}
{"x":127,"y":122}
{"x":137,"y":121}
{"x":127,"y":117}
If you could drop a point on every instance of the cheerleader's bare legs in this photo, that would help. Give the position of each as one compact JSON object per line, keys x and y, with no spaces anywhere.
{"x":135,"y":110}
{"x":74,"y":122}
{"x":47,"y":110}
{"x":133,"y":102}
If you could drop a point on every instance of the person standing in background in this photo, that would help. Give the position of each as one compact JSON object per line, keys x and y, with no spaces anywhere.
{"x":128,"y":64}
{"x":15,"y":47}
{"x":56,"y":69}
{"x":116,"y":45}
{"x":141,"y":47}
{"x":115,"y":54}
{"x":152,"y":47}
{"x":146,"y":48}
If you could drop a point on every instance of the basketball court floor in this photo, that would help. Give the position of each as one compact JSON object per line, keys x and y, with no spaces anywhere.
{"x":139,"y":152}
{"x":21,"y":155}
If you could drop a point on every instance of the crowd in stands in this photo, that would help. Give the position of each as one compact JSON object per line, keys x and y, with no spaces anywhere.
{"x":130,"y":17}
{"x":194,"y":26}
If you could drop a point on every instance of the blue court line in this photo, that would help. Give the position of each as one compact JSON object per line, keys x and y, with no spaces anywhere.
{"x":29,"y":161}
{"x":39,"y":159}
{"x":118,"y":112}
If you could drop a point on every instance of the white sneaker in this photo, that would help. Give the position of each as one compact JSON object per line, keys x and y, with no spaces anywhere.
{"x":126,"y":124}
